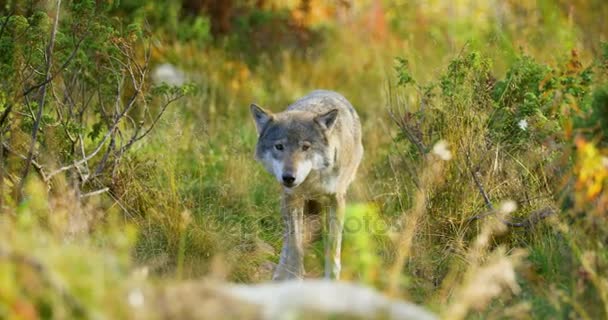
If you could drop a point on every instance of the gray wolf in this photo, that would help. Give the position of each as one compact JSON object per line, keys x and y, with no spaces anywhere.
{"x":313,"y":149}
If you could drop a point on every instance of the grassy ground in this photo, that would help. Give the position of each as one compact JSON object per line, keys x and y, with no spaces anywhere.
{"x":190,"y":202}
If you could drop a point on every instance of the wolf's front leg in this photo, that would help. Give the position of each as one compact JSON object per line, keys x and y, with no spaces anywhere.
{"x":291,"y":262}
{"x":334,"y":218}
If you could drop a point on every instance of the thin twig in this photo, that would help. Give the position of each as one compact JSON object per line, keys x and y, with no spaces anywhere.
{"x":117,"y":119}
{"x":35,"y":164}
{"x":85,"y":159}
{"x":84,"y":154}
{"x":137,"y":137}
{"x":532,"y":219}
{"x":117,"y":199}
{"x":94,"y":193}
{"x":105,"y":157}
{"x":482,"y":191}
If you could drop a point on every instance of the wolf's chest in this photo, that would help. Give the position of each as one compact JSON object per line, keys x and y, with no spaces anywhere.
{"x":320,"y":183}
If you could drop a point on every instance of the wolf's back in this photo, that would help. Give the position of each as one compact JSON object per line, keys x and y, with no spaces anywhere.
{"x":321,"y":101}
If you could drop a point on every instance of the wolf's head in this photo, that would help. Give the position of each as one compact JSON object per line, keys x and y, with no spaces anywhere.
{"x":291,"y":144}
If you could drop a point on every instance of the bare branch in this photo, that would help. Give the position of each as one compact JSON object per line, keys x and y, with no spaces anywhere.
{"x":137,"y":137}
{"x":35,"y":164}
{"x":138,"y":86}
{"x":86,"y":165}
{"x":94,"y":193}
{"x":533,"y":218}
{"x":105,"y":157}
{"x":482,"y":191}
{"x":85,"y":159}
{"x":49,"y":61}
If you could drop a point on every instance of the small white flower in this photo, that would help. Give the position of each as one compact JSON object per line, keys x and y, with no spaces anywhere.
{"x":136,"y":298}
{"x":605,"y":162}
{"x":441,"y":150}
{"x":508,"y":206}
{"x":523,"y":124}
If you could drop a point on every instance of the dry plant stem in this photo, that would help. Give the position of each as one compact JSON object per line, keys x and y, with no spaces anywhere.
{"x":482,"y":191}
{"x":36,"y":127}
{"x":411,"y":220}
{"x":534,"y":217}
{"x":405,"y":240}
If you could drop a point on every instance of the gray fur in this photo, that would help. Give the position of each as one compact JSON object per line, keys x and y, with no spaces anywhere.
{"x":317,"y":141}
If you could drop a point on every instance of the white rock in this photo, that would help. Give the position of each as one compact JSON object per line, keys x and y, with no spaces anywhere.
{"x":168,"y":74}
{"x":278,"y":299}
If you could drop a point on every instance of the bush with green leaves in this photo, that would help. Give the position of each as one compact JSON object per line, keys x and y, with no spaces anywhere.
{"x":529,"y":136}
{"x":75,"y":93}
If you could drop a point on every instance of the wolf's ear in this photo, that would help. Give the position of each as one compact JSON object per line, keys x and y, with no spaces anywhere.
{"x":261,"y":117}
{"x":327,"y":119}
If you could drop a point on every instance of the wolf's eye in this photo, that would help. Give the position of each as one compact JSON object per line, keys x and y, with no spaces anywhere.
{"x":305,"y":147}
{"x":278,"y":146}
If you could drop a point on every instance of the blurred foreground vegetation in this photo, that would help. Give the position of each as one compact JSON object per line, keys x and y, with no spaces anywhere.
{"x":483,"y":192}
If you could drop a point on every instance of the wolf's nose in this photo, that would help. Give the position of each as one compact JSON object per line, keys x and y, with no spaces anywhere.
{"x":288,"y":179}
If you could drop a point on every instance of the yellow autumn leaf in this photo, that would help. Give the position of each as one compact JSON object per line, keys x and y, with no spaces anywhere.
{"x":592,"y":174}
